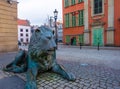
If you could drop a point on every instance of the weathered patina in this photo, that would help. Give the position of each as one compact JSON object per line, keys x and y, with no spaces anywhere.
{"x":40,"y":57}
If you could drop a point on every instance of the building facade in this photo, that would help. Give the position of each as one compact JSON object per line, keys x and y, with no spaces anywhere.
{"x":8,"y":26}
{"x":24,"y":31}
{"x":91,"y":22}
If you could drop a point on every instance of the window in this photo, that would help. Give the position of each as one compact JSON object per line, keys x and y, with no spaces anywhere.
{"x":26,"y":39}
{"x":21,"y":34}
{"x":80,"y":1}
{"x":26,"y":30}
{"x":27,"y":35}
{"x":32,"y":30}
{"x":98,"y":8}
{"x":73,"y":20}
{"x":67,"y":20}
{"x":81,"y":18}
{"x":21,"y":39}
{"x":72,"y":2}
{"x":66,"y":3}
{"x":21,"y":30}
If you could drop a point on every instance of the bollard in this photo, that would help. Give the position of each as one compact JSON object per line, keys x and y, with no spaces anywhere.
{"x":98,"y":46}
{"x":80,"y":45}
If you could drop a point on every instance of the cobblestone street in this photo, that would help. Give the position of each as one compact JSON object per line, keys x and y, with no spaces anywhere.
{"x":93,"y":69}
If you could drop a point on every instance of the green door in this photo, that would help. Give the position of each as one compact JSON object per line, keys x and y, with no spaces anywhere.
{"x":80,"y":38}
{"x":67,"y":39}
{"x":74,"y":41}
{"x":97,"y":35}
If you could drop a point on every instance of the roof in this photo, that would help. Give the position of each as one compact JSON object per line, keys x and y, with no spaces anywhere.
{"x":23,"y":22}
{"x":59,"y":22}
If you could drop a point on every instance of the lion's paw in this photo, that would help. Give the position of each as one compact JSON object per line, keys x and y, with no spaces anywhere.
{"x":71,"y":77}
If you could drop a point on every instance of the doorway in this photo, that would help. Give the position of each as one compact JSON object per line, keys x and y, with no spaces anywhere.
{"x":97,"y":37}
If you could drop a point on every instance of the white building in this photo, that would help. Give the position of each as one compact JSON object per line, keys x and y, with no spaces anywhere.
{"x":60,"y":31}
{"x":24,"y":31}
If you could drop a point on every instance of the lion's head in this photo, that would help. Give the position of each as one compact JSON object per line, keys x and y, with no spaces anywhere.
{"x":42,"y":40}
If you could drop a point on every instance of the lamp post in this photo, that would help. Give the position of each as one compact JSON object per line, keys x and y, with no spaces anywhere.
{"x":98,"y":44}
{"x":56,"y":34}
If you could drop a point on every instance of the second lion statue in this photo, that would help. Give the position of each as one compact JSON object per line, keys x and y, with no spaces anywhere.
{"x":40,"y":57}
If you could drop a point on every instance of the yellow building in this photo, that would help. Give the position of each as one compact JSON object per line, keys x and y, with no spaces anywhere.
{"x":8,"y":26}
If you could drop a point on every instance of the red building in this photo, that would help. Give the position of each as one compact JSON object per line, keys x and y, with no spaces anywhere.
{"x":91,"y":22}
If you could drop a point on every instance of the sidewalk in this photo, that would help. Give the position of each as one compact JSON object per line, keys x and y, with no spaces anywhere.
{"x":9,"y":80}
{"x":88,"y":76}
{"x":93,"y":47}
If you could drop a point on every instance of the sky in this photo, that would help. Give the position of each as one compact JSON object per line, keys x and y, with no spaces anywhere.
{"x":38,"y":11}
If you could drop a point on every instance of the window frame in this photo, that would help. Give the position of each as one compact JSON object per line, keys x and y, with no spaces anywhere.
{"x":79,"y":1}
{"x":26,"y":30}
{"x":66,"y":3}
{"x":92,"y":9}
{"x":26,"y":34}
{"x":73,"y":20}
{"x":21,"y":34}
{"x":73,"y":2}
{"x":21,"y":40}
{"x":27,"y":40}
{"x":21,"y":30}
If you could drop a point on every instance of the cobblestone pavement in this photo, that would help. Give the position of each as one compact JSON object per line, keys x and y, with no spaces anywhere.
{"x":93,"y":69}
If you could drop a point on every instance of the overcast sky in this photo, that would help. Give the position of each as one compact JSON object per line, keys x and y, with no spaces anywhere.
{"x":38,"y":11}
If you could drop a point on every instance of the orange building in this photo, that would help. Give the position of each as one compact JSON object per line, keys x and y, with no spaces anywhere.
{"x":91,"y":22}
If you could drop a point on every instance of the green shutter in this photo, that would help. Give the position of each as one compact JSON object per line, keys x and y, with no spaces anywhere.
{"x":66,"y":3}
{"x":73,"y":21}
{"x":80,"y":1}
{"x":74,"y":41}
{"x":81,"y":18}
{"x":72,"y":2}
{"x":67,"y":20}
{"x":80,"y":38}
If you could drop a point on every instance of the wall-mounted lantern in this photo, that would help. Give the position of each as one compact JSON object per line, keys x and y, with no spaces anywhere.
{"x":10,"y":1}
{"x":119,"y":19}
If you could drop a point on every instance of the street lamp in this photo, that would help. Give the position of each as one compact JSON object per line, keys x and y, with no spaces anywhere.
{"x":56,"y":35}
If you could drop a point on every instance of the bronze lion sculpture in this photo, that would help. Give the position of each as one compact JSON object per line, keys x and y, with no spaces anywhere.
{"x":40,"y":57}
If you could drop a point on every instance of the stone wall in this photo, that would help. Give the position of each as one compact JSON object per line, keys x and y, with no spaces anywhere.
{"x":8,"y":26}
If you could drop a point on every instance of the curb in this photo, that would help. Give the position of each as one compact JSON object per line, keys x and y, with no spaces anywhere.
{"x":93,"y":47}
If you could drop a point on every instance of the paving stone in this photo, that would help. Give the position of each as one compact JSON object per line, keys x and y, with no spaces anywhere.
{"x":116,"y":87}
{"x":110,"y":88}
{"x":99,"y":88}
{"x":39,"y":87}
